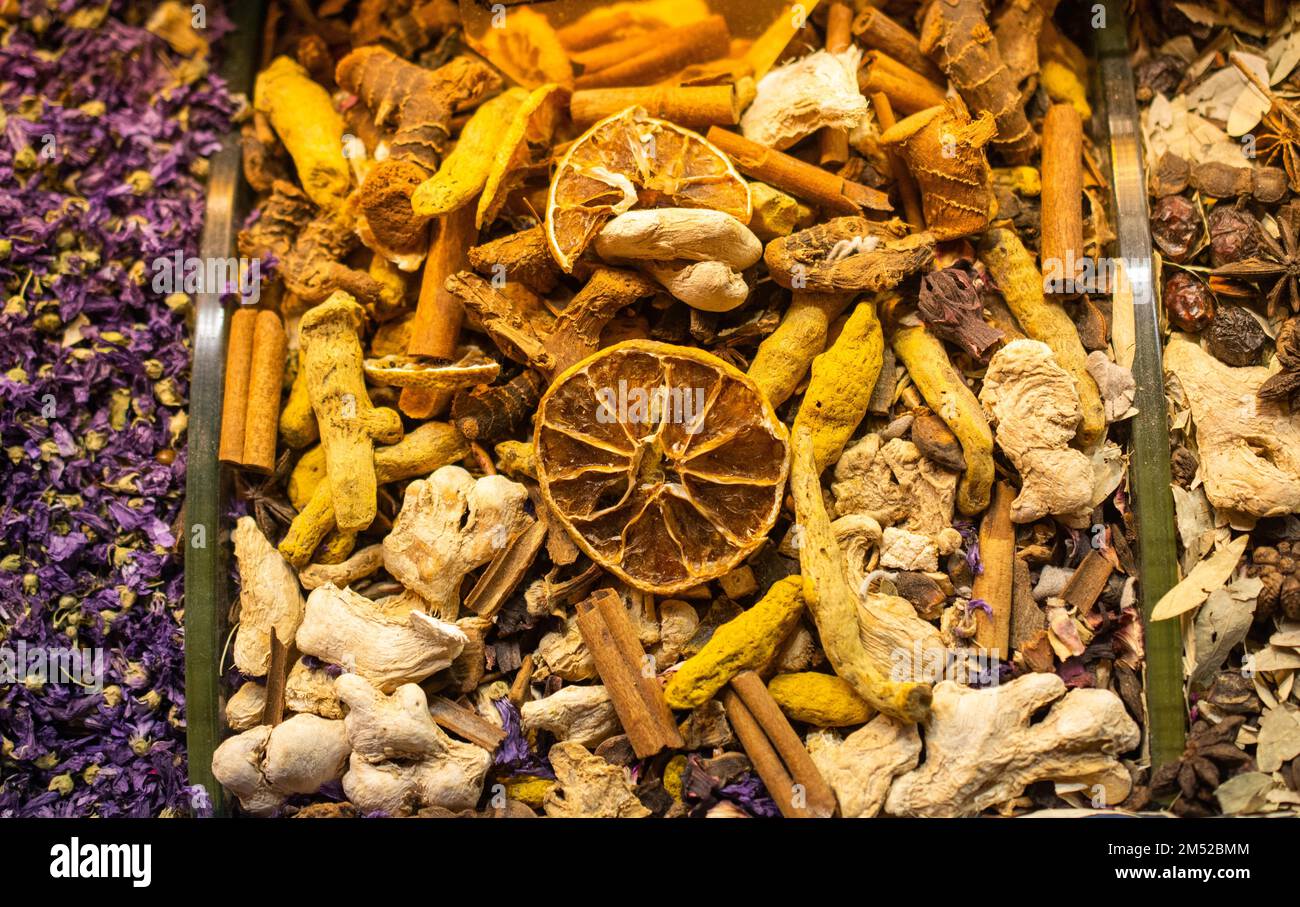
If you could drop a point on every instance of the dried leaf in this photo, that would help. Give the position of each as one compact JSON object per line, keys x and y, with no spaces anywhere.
{"x":1246,"y":793}
{"x":1205,"y":577}
{"x":1279,"y":737}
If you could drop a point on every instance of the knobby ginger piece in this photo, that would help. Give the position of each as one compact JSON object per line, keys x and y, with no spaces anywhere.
{"x":269,"y":598}
{"x":1249,"y":448}
{"x":1034,"y":404}
{"x":983,"y":748}
{"x":584,"y":715}
{"x":588,"y":787}
{"x":861,"y":766}
{"x":262,"y":767}
{"x":311,"y":690}
{"x":449,"y":525}
{"x":894,"y":484}
{"x":244,"y":709}
{"x":795,"y":100}
{"x":694,"y":234}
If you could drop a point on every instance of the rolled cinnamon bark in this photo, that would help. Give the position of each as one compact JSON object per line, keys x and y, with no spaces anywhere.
{"x":1062,"y":236}
{"x":239,"y":357}
{"x":265,"y":382}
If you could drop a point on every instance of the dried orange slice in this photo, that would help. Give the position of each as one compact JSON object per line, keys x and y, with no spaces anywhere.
{"x":664,"y":463}
{"x":631,"y":160}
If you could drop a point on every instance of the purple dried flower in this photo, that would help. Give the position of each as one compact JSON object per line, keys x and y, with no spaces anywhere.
{"x":514,"y":755}
{"x":970,"y":538}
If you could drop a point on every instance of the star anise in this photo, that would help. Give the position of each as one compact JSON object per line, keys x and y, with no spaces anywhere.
{"x":1209,"y":757}
{"x":1278,"y":134}
{"x":1286,"y":383}
{"x":1276,"y":262}
{"x":266,"y":497}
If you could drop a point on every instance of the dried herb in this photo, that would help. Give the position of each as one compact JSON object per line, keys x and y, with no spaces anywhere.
{"x":950,"y":306}
{"x":1286,"y":383}
{"x":1276,"y":264}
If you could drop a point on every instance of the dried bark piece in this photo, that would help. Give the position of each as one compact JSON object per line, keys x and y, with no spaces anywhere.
{"x":1250,"y":449}
{"x":848,"y":254}
{"x":269,"y":598}
{"x":983,"y":748}
{"x":588,"y":787}
{"x":522,"y":256}
{"x":861,"y":767}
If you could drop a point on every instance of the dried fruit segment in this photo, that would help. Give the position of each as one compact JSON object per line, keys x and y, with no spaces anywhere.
{"x":664,"y":463}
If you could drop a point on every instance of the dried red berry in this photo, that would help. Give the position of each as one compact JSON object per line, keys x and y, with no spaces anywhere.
{"x":1175,"y":226}
{"x":1232,"y":235}
{"x":1235,"y":337}
{"x":1188,"y":303}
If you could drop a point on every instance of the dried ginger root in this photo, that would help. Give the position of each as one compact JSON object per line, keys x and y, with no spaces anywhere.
{"x":947,"y":394}
{"x":834,"y":604}
{"x":311,"y":129}
{"x":843,"y":379}
{"x":349,"y":423}
{"x":1014,"y":272}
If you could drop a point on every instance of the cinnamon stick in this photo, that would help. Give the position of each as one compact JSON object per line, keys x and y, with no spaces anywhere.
{"x":239,"y":360}
{"x":1088,"y":581}
{"x":665,"y":52}
{"x":789,"y":174}
{"x":620,"y":627}
{"x":908,"y":91}
{"x":908,"y":193}
{"x":505,"y":571}
{"x":1062,"y":201}
{"x":265,"y":382}
{"x":593,"y":29}
{"x":693,"y":106}
{"x":464,"y":723}
{"x":523,"y":677}
{"x":435,"y":330}
{"x":277,"y":677}
{"x":997,"y":554}
{"x":876,"y":31}
{"x":834,"y":140}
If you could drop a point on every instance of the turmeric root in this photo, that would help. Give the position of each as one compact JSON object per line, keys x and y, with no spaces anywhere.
{"x":783,"y":358}
{"x":280,"y":218}
{"x":465,"y":171}
{"x":957,"y":36}
{"x":310,"y":128}
{"x":843,"y":378}
{"x":522,"y":256}
{"x":944,"y":151}
{"x":349,"y":423}
{"x":947,"y":394}
{"x":429,"y":447}
{"x":298,"y":427}
{"x":492,"y":412}
{"x":848,"y":253}
{"x":1015,"y":273}
{"x":314,"y":267}
{"x":833,"y":602}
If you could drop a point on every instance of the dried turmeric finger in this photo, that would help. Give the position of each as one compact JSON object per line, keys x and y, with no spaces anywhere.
{"x":429,"y":447}
{"x":349,"y":423}
{"x":1021,"y":283}
{"x":465,"y":171}
{"x":298,"y":426}
{"x":843,"y":378}
{"x":745,"y":643}
{"x":311,"y":129}
{"x":822,"y":700}
{"x":947,"y":394}
{"x":783,"y":358}
{"x":834,"y":604}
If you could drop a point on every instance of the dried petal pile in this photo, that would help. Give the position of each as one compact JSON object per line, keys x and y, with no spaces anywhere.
{"x":106,"y":131}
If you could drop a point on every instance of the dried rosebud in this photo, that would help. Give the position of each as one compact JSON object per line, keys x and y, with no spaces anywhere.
{"x":1175,"y":226}
{"x":1235,"y":337}
{"x":950,"y":306}
{"x":1232,"y":235}
{"x":1188,"y":303}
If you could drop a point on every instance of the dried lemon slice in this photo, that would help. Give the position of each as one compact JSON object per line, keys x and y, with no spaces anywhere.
{"x":664,"y":463}
{"x":633,"y":160}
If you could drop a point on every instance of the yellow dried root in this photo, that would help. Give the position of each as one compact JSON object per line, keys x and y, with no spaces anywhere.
{"x":349,"y":424}
{"x":307,"y":473}
{"x":746,"y":643}
{"x":429,"y":447}
{"x":783,"y":358}
{"x":304,"y":118}
{"x":822,"y":700}
{"x":843,"y":379}
{"x":1021,"y":283}
{"x":833,"y":602}
{"x":947,"y":394}
{"x":298,"y":426}
{"x":465,"y":171}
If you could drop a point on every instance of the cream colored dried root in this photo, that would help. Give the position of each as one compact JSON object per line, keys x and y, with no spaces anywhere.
{"x":894,"y":484}
{"x":361,"y":564}
{"x":584,"y":715}
{"x":449,"y":525}
{"x":244,"y":709}
{"x":269,"y":598}
{"x":311,"y":691}
{"x":265,"y":765}
{"x":981,"y":748}
{"x":861,"y":766}
{"x":588,"y":787}
{"x":1250,"y":449}
{"x":401,"y":760}
{"x":692,"y":234}
{"x":1034,"y":406}
{"x":388,"y":642}
{"x":710,"y":286}
{"x":795,"y":100}
{"x":564,"y":653}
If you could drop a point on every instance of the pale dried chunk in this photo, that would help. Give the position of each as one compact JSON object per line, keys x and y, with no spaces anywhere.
{"x":449,"y":525}
{"x":244,"y":709}
{"x":795,"y":100}
{"x":304,"y":753}
{"x":710,"y":286}
{"x":1034,"y":405}
{"x":692,"y":234}
{"x":894,"y":483}
{"x":387,"y":642}
{"x":588,"y":787}
{"x":564,"y":653}
{"x":584,"y":715}
{"x":237,"y":765}
{"x":311,"y":690}
{"x":861,"y":767}
{"x":1116,"y":384}
{"x":678,"y":621}
{"x":903,"y":550}
{"x":1249,"y":449}
{"x":981,"y":748}
{"x":269,"y":597}
{"x":893,"y":635}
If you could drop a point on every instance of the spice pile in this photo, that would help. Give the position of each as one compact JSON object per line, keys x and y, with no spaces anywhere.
{"x":675,"y":422}
{"x":1222,"y":125}
{"x":106,"y":130}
